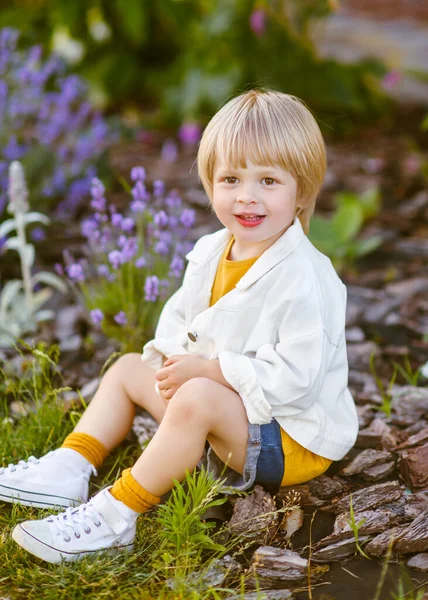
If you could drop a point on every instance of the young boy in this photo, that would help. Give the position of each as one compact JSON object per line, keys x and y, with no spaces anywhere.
{"x":255,"y":341}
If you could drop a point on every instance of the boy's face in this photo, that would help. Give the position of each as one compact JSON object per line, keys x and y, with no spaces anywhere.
{"x":269,"y":191}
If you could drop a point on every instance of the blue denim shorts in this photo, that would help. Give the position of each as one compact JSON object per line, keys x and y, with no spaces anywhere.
{"x":264,"y":461}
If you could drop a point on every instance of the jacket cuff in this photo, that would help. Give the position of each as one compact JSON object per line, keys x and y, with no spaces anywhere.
{"x":238,"y":370}
{"x":155,"y":350}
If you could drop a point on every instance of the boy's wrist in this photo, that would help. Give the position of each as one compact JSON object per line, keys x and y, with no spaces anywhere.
{"x":214,"y":372}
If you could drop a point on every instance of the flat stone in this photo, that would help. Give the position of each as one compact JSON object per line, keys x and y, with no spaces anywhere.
{"x":264,"y":595}
{"x":274,"y":565}
{"x":378,"y":545}
{"x":374,"y":435}
{"x":369,"y":497}
{"x":338,"y":551}
{"x":419,"y":562}
{"x":409,"y":405}
{"x":292,"y":521}
{"x":413,"y":466}
{"x":365,"y":459}
{"x":378,"y":472}
{"x":415,"y":537}
{"x":415,"y":440}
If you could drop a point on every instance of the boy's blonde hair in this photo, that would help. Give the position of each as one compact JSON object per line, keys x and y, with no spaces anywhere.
{"x":269,"y":127}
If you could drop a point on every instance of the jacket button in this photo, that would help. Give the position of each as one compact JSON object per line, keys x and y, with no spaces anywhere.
{"x":192,"y":336}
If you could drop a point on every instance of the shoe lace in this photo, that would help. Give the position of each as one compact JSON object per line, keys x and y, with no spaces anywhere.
{"x":22,"y":464}
{"x":74,"y":520}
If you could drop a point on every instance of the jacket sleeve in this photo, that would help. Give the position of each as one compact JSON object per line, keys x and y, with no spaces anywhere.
{"x":283,"y":379}
{"x":171,"y":333}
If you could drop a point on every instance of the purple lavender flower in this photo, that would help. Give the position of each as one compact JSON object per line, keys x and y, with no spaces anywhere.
{"x":137,"y":206}
{"x":162,"y":247}
{"x":97,"y":188}
{"x":129,"y":249}
{"x":169,"y":151}
{"x":75,"y":272}
{"x":161,"y":219}
{"x":88,"y":227}
{"x":121,"y":318}
{"x":116,"y":219}
{"x":115,"y":258}
{"x":103,"y":270}
{"x":140,"y":262}
{"x":189,"y":133}
{"x":151,"y":288}
{"x":158,"y":188}
{"x":128,"y":225}
{"x":97,"y":316}
{"x":138,"y":174}
{"x":188,"y":217}
{"x":173,"y":200}
{"x":258,"y":21}
{"x":58,"y":268}
{"x":38,"y":234}
{"x":176,"y":266}
{"x":139,"y":192}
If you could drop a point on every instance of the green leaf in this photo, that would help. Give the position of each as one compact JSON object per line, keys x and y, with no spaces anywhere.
{"x":133,"y":21}
{"x":367,"y":245}
{"x":347,"y":220}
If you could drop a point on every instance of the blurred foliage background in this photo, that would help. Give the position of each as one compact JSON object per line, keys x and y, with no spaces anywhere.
{"x":177,"y":60}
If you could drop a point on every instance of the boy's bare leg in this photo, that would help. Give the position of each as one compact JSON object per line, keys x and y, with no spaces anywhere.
{"x":201,"y":409}
{"x":110,"y":414}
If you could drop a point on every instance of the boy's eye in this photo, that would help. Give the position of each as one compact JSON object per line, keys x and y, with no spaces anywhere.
{"x":270,"y":179}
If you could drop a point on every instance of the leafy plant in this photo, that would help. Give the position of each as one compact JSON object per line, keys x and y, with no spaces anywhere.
{"x":19,"y":303}
{"x":36,"y":389}
{"x":48,"y":124}
{"x":386,"y":395}
{"x":338,"y":237}
{"x":355,"y":527}
{"x":186,"y":57}
{"x":407,"y":373}
{"x":132,"y":260}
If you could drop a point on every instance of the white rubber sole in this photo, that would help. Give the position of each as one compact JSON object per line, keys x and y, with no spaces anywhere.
{"x":54,"y":556}
{"x":38,"y":499}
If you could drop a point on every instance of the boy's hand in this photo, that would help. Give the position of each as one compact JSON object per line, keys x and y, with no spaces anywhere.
{"x":178,"y":369}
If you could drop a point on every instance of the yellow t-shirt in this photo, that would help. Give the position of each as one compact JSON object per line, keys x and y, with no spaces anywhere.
{"x":300,"y":464}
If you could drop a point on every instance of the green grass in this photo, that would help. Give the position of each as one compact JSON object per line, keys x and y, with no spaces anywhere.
{"x":174,"y":546}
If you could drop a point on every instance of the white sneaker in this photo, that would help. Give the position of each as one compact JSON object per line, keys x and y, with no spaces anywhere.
{"x":59,"y":478}
{"x":104,"y":523}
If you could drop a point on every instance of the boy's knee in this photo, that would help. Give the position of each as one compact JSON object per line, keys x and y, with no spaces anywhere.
{"x":188,"y":402}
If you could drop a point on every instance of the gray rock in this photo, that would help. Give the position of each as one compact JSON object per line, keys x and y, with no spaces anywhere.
{"x":419,"y":562}
{"x":338,"y":551}
{"x":370,"y":497}
{"x":364,"y":460}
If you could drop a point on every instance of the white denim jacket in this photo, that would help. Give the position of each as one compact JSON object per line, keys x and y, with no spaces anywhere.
{"x":279,"y":336}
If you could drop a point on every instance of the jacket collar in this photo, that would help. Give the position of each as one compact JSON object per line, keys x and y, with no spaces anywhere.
{"x":208,"y":250}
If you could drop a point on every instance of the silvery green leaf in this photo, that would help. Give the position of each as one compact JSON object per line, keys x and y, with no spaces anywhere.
{"x":44,"y":315}
{"x":6,"y":227}
{"x":36,"y":217}
{"x":8,"y":295}
{"x":50,"y":279}
{"x":40,"y":297}
{"x":28,"y":255}
{"x":12,"y":243}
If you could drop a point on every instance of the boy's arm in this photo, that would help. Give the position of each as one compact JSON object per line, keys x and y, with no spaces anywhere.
{"x":170,"y":335}
{"x":289,"y":374}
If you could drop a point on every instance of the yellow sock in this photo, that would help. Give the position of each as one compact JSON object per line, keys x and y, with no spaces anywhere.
{"x":88,"y":446}
{"x":130,"y":492}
